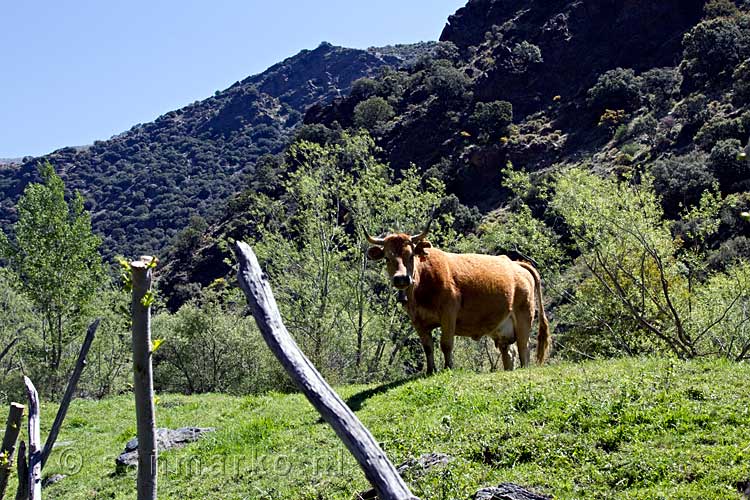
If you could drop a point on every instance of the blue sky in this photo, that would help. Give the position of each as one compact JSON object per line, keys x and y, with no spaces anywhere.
{"x":75,"y":71}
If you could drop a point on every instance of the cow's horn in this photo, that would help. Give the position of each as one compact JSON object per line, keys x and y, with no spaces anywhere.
{"x":423,"y":234}
{"x":374,"y":241}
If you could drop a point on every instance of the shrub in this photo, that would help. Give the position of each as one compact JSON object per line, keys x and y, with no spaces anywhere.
{"x":612,"y":118}
{"x":491,"y":119}
{"x":637,"y":284}
{"x":364,"y":88}
{"x":693,"y":110}
{"x":373,"y":112}
{"x":711,"y":48}
{"x":645,"y":125}
{"x":659,"y":86}
{"x":681,"y":180}
{"x":720,"y":8}
{"x":210,"y":346}
{"x":718,"y":129}
{"x":447,"y":50}
{"x":523,"y":55}
{"x":448,"y":83}
{"x":615,"y":89}
{"x":730,"y":252}
{"x":741,"y":84}
{"x":726,"y":165}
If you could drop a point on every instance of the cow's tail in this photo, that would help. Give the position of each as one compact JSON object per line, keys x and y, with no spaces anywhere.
{"x":544,"y":338}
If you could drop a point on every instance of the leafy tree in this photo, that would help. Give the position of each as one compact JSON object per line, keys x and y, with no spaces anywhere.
{"x":523,"y":55}
{"x":615,"y":89}
{"x":55,"y":258}
{"x":725,"y":164}
{"x":659,"y":86}
{"x":448,"y":83}
{"x":490,"y":120}
{"x":373,"y":112}
{"x":741,"y":83}
{"x":364,"y":88}
{"x":334,"y":303}
{"x":681,"y":181}
{"x":720,"y":8}
{"x":711,"y":48}
{"x":640,"y":284}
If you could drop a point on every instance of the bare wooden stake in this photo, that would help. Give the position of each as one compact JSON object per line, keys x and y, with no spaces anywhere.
{"x":69,"y":391}
{"x":12,"y":428}
{"x":372,"y":459}
{"x":34,"y":477}
{"x":22,"y":492}
{"x":143,"y":379}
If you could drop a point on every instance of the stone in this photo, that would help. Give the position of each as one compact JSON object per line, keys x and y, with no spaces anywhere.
{"x":413,"y":467}
{"x":166,"y":439}
{"x":508,"y":491}
{"x":53,"y":479}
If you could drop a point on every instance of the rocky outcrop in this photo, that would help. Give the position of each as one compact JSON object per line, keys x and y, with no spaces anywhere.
{"x":578,"y":40}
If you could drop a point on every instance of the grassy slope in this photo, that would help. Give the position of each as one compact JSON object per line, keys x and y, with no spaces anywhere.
{"x":610,"y":429}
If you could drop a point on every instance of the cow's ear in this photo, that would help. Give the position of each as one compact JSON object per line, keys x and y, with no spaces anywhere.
{"x":421,"y":247}
{"x":375,"y":253}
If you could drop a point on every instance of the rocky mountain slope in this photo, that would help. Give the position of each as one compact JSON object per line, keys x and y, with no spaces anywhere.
{"x":622,"y":86}
{"x":143,"y":185}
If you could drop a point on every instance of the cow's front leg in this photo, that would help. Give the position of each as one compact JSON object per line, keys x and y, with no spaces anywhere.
{"x":425,"y":336}
{"x":447,"y":333}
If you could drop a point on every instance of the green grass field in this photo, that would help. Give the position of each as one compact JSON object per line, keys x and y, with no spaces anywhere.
{"x":646,"y":429}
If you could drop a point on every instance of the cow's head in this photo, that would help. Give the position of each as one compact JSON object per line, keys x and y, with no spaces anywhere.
{"x":399,"y":252}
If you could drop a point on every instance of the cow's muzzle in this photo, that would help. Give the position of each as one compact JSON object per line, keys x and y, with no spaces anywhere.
{"x":402,"y":281}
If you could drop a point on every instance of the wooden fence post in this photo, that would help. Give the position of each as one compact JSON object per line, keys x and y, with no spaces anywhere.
{"x":372,"y":459}
{"x":34,"y":478}
{"x":143,"y":383}
{"x":12,"y":428}
{"x":22,"y":492}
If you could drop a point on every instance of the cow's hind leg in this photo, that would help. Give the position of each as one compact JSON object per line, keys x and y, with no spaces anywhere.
{"x":522,"y":326}
{"x":447,"y":335}
{"x":505,"y":335}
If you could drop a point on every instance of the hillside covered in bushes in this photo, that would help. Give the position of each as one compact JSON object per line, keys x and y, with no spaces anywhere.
{"x":144,"y":185}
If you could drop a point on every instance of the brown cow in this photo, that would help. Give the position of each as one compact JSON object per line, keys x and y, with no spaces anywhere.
{"x":470,"y":295}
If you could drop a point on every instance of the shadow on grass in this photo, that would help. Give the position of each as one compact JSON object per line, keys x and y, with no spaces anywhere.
{"x":355,"y":402}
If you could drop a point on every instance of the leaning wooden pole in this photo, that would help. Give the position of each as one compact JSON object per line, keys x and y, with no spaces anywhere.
{"x":143,"y":380}
{"x":69,"y":391}
{"x":12,"y":428}
{"x":378,"y":469}
{"x":34,"y":477}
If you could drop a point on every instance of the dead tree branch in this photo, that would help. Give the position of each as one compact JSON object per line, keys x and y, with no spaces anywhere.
{"x":378,"y":469}
{"x":69,"y":391}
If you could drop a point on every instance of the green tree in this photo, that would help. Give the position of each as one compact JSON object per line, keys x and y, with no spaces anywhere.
{"x":712,"y":48}
{"x":642,"y":286}
{"x":490,"y":120}
{"x":373,"y":112}
{"x":615,"y":89}
{"x":55,"y":258}
{"x":334,"y":303}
